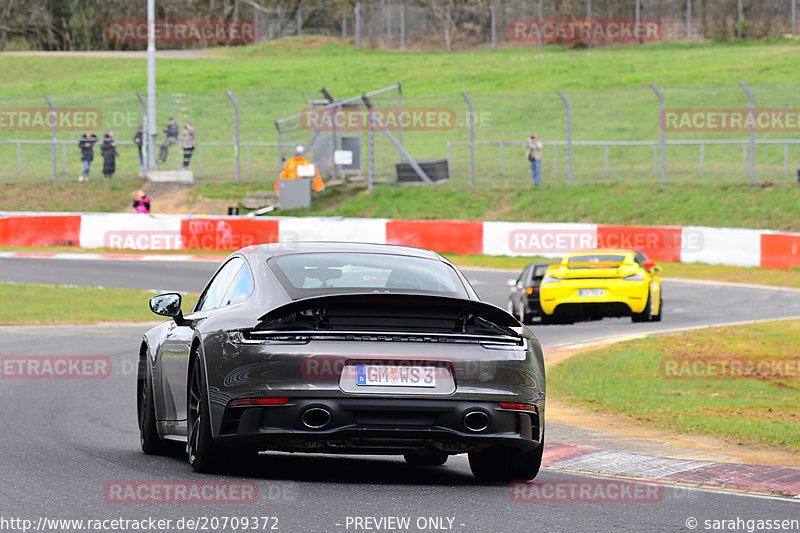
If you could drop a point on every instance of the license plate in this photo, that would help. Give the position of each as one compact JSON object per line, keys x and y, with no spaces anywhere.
{"x":590,"y":292}
{"x":395,"y":376}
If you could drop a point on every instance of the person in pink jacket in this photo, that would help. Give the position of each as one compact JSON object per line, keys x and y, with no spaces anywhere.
{"x":141,"y":202}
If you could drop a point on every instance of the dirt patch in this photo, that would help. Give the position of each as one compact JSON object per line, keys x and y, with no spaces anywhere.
{"x":624,"y":426}
{"x":173,"y":198}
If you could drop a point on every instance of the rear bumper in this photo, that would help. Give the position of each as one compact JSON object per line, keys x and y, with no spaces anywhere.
{"x":374,"y":425}
{"x":620,"y":297}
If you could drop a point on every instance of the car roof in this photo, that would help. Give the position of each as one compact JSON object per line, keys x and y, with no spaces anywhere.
{"x":266,"y":251}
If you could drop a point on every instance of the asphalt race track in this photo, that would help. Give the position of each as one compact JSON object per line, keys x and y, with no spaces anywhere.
{"x":65,"y":441}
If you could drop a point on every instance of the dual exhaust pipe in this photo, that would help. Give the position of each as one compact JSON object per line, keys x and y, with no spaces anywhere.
{"x":319,"y":417}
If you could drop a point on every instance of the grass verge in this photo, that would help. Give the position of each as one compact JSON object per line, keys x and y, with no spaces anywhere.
{"x":54,"y":304}
{"x":766,"y":206}
{"x":663,"y":382}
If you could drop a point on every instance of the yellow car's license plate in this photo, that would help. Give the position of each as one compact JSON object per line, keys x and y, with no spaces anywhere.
{"x":590,"y":292}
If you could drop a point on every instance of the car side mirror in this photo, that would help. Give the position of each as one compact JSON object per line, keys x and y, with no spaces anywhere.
{"x":656,"y":269}
{"x":168,"y":304}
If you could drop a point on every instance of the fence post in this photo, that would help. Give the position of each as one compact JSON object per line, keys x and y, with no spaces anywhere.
{"x":19,"y":158}
{"x":471,"y":122}
{"x":739,"y":19}
{"x":235,"y":133}
{"x":64,"y":158}
{"x":638,"y":17}
{"x":539,"y":23}
{"x":589,"y":18}
{"x":370,"y":149}
{"x":447,"y":24}
{"x":403,"y":25}
{"x":689,"y":19}
{"x":344,"y":25}
{"x":605,"y":158}
{"x":568,"y":115}
{"x":662,"y":133}
{"x":357,"y":12}
{"x":151,"y":86}
{"x":199,"y":161}
{"x":387,"y":9}
{"x":145,"y":144}
{"x":400,"y":104}
{"x":794,"y":17}
{"x":492,"y":10}
{"x":299,"y":19}
{"x":54,"y":148}
{"x":752,"y":99}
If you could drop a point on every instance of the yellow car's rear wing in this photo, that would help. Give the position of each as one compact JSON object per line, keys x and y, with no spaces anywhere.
{"x":594,"y":264}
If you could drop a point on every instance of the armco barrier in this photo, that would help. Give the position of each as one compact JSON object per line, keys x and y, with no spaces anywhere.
{"x":723,"y":246}
{"x":528,"y":238}
{"x":372,"y":230}
{"x":445,"y":236}
{"x":691,"y":244}
{"x":37,"y":230}
{"x":659,"y":243}
{"x":132,"y":231}
{"x":226,"y":233}
{"x":780,"y":250}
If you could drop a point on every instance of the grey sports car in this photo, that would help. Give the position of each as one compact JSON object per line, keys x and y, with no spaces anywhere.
{"x":342,"y":348}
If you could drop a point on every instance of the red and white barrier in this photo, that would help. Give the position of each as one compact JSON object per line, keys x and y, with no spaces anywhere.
{"x":690,"y":244}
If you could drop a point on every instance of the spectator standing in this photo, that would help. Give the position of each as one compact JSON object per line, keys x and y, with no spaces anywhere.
{"x":109,"y":152}
{"x":141,"y":202}
{"x":138,"y":140}
{"x":189,"y":141}
{"x":533,"y":151}
{"x":171,"y":139}
{"x":86,"y":144}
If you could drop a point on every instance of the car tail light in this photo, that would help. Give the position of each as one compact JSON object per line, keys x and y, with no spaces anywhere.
{"x":258,"y":401}
{"x":519,"y":407}
{"x":529,"y":290}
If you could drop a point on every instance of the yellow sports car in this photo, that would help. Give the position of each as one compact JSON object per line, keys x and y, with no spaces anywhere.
{"x":599,"y":283}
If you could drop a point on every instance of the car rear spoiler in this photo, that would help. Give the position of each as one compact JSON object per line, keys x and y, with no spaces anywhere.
{"x":485,"y":311}
{"x":594,"y":264}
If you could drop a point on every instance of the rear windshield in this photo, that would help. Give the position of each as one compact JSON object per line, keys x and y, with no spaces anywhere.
{"x":312,"y":274}
{"x":599,"y":258}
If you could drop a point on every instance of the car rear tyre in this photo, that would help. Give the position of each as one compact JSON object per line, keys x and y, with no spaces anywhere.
{"x":646,"y":315}
{"x":432,"y":459}
{"x":503,"y":463}
{"x":151,"y":442}
{"x":203,"y":453}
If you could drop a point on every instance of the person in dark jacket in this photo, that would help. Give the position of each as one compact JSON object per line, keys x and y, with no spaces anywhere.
{"x":171,"y":139}
{"x":138,"y":140}
{"x":109,"y":152}
{"x":86,"y":144}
